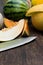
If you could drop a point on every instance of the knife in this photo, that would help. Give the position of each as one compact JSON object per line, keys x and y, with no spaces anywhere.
{"x":15,"y":43}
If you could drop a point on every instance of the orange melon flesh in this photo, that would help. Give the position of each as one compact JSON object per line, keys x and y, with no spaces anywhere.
{"x":9,"y":23}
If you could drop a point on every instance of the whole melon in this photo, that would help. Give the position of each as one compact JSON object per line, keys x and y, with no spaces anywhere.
{"x":16,"y":9}
{"x":37,"y":21}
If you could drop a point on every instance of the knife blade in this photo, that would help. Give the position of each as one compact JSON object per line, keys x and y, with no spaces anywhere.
{"x":15,"y":43}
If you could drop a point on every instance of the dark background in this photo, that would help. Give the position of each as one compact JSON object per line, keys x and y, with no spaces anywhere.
{"x":29,"y":54}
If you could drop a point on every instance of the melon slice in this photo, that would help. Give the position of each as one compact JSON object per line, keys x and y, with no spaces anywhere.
{"x":26,"y":31}
{"x":35,"y":9}
{"x":13,"y":32}
{"x":9,"y":23}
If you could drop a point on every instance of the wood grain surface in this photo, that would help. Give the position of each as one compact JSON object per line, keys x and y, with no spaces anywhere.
{"x":29,"y":54}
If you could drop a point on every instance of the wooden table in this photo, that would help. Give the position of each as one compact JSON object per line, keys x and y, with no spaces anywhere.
{"x":29,"y":54}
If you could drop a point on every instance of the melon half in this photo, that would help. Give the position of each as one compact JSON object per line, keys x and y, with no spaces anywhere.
{"x":13,"y":32}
